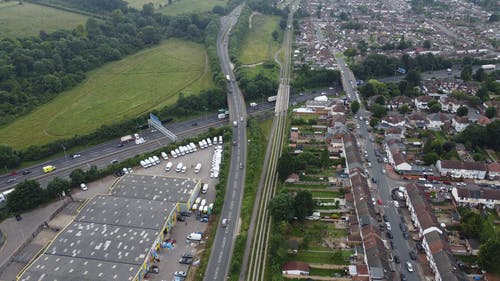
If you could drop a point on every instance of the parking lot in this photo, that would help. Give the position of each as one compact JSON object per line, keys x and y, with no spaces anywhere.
{"x":168,"y":258}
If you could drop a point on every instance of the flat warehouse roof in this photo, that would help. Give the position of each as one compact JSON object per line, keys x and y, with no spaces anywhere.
{"x":118,"y":244}
{"x":52,"y":268}
{"x":111,"y":210}
{"x":157,"y":188}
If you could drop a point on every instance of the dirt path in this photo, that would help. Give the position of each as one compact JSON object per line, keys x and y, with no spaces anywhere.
{"x":250,"y":19}
{"x":252,"y":65}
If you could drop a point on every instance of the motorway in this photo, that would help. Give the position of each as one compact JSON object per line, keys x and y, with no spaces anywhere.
{"x":222,"y":248}
{"x":384,"y":184}
{"x":256,"y":254}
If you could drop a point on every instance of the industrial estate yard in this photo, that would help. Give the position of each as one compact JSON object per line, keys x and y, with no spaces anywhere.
{"x":118,"y":229}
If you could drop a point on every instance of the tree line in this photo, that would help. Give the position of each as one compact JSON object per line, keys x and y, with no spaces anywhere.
{"x":376,"y":65}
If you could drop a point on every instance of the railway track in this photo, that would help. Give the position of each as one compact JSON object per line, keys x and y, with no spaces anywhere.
{"x":260,"y":227}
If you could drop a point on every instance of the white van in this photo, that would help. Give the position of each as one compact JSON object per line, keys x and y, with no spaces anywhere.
{"x":214,"y":140}
{"x":152,"y":161}
{"x":193,"y":146}
{"x":184,"y":169}
{"x":147,"y":162}
{"x":179,"y":167}
{"x":164,"y":156}
{"x":220,"y":140}
{"x":203,"y":202}
{"x":197,"y":168}
{"x":143,"y":164}
{"x":157,"y":160}
{"x":168,"y":167}
{"x":173,"y":154}
{"x":204,"y":189}
{"x":209,"y":142}
{"x":178,"y":152}
{"x":200,"y":144}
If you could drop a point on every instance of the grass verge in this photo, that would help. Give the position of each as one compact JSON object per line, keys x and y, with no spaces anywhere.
{"x":183,"y":6}
{"x":259,"y":45}
{"x":257,"y":136}
{"x":115,"y":92}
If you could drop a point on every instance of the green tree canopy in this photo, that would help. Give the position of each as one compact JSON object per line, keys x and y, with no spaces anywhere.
{"x":8,"y":157}
{"x":281,"y":207}
{"x":491,"y":112}
{"x":462,"y":111}
{"x":26,"y":196}
{"x":57,"y":186}
{"x":303,"y":204}
{"x":489,"y":256}
{"x":355,"y":107}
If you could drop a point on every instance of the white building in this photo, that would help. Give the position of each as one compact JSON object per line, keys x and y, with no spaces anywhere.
{"x":459,"y":169}
{"x":464,"y":196}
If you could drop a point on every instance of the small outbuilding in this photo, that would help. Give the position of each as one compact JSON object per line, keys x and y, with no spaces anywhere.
{"x":295,"y":268}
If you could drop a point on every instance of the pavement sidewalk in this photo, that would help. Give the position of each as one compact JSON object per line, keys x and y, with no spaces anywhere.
{"x":18,"y":232}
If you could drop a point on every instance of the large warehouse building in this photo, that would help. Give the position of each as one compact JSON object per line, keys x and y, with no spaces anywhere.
{"x":115,"y":236}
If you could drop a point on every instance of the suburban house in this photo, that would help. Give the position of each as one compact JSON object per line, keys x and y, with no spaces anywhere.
{"x":421,"y":102}
{"x":465,"y":196}
{"x":437,"y":121}
{"x":338,"y":109}
{"x":295,"y":268}
{"x":449,"y":104}
{"x":459,"y":123}
{"x":434,"y":243}
{"x":394,"y":133}
{"x":397,"y":159}
{"x":459,"y":169}
{"x":417,"y":120}
{"x":393,"y":120}
{"x":494,"y":171}
{"x":398,"y":101}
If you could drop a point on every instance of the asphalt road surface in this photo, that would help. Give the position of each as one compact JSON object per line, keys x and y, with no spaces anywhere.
{"x":384,"y":185}
{"x":222,"y":248}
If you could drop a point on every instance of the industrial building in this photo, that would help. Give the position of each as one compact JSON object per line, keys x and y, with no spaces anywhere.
{"x":116,"y":236}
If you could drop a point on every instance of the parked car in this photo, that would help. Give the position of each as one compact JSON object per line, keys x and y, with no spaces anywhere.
{"x":385,"y":218}
{"x":185,"y":260}
{"x":409,"y":266}
{"x":83,"y":186}
{"x":403,"y":277}
{"x":389,"y":234}
{"x":413,"y":255}
{"x":180,"y":273}
{"x":396,"y":259}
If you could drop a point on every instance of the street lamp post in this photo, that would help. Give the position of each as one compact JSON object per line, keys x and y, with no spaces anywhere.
{"x":64,"y":149}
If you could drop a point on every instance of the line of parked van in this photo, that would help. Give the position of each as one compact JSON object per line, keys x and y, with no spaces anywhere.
{"x":150,"y":161}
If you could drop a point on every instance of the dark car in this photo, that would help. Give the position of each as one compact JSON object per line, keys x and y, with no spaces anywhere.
{"x":413,"y":256}
{"x":405,"y":235}
{"x":403,"y":277}
{"x":185,"y":260}
{"x":392,"y":244}
{"x":204,"y":220}
{"x":419,"y":246}
{"x":390,"y":235}
{"x":186,"y":214}
{"x":194,"y":124}
{"x":385,"y":218}
{"x":188,"y":255}
{"x":114,"y":161}
{"x":120,"y":145}
{"x":26,"y":172}
{"x":396,"y":259}
{"x":181,"y":218}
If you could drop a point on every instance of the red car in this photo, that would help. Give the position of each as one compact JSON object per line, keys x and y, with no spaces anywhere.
{"x":379,"y":201}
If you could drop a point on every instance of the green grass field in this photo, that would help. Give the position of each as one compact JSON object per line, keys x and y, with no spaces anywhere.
{"x":119,"y":90}
{"x":28,"y":19}
{"x":259,"y":45}
{"x":182,"y":6}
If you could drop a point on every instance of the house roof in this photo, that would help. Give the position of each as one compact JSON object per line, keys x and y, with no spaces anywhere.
{"x":393,"y":119}
{"x":459,"y":165}
{"x":417,"y":116}
{"x":296,"y":265}
{"x":494,"y":167}
{"x":424,"y":98}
